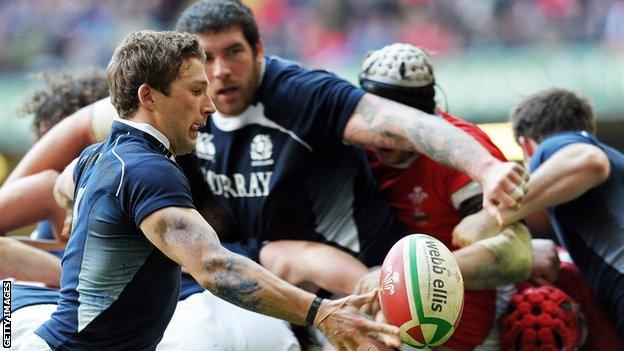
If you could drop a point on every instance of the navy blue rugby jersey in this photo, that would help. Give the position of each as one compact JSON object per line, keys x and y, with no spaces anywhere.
{"x":118,"y":291}
{"x":591,"y":227}
{"x":283,"y":171}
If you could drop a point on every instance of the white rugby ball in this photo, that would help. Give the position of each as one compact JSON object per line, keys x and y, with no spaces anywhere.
{"x":421,"y":290}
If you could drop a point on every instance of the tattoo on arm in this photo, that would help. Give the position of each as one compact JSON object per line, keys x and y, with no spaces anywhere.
{"x":378,"y":122}
{"x":240,"y":289}
{"x":180,"y":232}
{"x":368,"y":112}
{"x":227,"y":275}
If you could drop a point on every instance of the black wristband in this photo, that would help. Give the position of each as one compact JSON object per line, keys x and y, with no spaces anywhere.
{"x":313,"y":310}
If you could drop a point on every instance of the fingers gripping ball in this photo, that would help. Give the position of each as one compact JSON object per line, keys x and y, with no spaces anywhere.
{"x":421,"y":290}
{"x":541,"y":318}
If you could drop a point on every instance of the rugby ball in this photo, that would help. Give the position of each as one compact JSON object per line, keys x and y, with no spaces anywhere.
{"x":421,"y":290}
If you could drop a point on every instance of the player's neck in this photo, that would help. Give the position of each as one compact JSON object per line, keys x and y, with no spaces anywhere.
{"x":148,"y":123}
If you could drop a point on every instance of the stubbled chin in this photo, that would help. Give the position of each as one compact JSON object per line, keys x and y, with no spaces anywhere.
{"x":229,"y":109}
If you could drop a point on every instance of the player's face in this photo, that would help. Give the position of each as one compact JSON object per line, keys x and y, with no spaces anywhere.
{"x":186,"y":108}
{"x":232,"y":68}
{"x":396,"y":159}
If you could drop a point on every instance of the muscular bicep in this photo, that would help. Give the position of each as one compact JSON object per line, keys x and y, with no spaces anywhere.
{"x":182,"y":235}
{"x":374,"y":123}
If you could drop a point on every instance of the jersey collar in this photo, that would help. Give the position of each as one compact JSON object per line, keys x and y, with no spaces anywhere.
{"x":150,"y":131}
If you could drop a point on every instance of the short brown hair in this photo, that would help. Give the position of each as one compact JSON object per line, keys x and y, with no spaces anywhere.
{"x":217,"y":16}
{"x":147,"y":57}
{"x":550,"y":111}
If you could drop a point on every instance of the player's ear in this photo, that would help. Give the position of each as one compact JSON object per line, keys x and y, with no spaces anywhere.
{"x":528,"y":146}
{"x":259,"y":51}
{"x":145,"y":96}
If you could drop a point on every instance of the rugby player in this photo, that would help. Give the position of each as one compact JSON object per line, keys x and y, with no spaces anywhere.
{"x":191,"y":326}
{"x":429,"y":198}
{"x":580,"y":181}
{"x":135,"y":222}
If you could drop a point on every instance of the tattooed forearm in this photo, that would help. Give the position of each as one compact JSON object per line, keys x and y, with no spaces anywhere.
{"x":382,"y":123}
{"x":246,"y":284}
{"x":368,"y":112}
{"x":184,"y":236}
{"x":234,"y":284}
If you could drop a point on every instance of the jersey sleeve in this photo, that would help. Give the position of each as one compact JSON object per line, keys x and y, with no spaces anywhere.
{"x":551,"y":145}
{"x":153,"y":185}
{"x":316,"y":104}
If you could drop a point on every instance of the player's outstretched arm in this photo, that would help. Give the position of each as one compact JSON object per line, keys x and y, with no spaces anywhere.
{"x":29,"y":200}
{"x":566,"y":175}
{"x":23,"y":262}
{"x":58,"y":147}
{"x":475,"y":227}
{"x":382,"y":123}
{"x":304,"y":262}
{"x":183,"y":235}
{"x":66,"y":140}
{"x":499,"y":260}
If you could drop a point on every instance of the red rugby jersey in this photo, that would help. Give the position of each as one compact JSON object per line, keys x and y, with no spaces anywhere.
{"x":426,"y":197}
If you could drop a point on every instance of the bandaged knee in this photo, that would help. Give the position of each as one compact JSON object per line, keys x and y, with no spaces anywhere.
{"x":512,"y":248}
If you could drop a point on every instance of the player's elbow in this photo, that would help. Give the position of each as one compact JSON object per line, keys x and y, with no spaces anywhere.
{"x":217,"y":267}
{"x":595,"y":164}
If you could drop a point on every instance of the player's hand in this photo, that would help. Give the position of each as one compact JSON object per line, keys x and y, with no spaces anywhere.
{"x":504,"y":186}
{"x":545,"y":265}
{"x":344,"y":327}
{"x":67,"y":224}
{"x":385,"y":338}
{"x":475,"y":227}
{"x":60,"y":196}
{"x":369,"y":282}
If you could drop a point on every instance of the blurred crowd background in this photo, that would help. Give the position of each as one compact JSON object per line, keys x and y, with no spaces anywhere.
{"x":487,"y":52}
{"x":44,"y":34}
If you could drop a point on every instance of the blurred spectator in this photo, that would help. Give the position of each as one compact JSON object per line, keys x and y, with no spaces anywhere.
{"x":614,"y":27}
{"x":50,"y":34}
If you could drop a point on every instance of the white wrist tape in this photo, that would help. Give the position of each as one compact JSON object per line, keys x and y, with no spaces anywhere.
{"x":512,"y":248}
